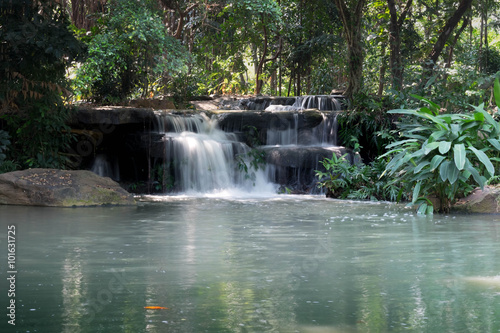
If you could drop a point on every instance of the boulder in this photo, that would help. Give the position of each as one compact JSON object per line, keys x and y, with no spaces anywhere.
{"x":486,"y":201}
{"x":60,"y":188}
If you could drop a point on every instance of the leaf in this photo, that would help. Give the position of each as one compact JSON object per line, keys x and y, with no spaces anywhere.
{"x":421,"y":166}
{"x":416,"y":192}
{"x":431,"y":81}
{"x":444,"y":147}
{"x":485,"y":160}
{"x":422,"y":209}
{"x":397,"y":143}
{"x":453,"y":173}
{"x":434,"y":106}
{"x":430,"y":147}
{"x":436,"y":160}
{"x":443,"y":170}
{"x":480,"y":180}
{"x":495,"y":143}
{"x":478,"y":116}
{"x":497,"y":92}
{"x":421,"y":115}
{"x":437,"y":135}
{"x":459,"y":155}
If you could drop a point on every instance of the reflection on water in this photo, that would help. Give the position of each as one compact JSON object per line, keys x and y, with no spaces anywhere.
{"x":280,"y":264}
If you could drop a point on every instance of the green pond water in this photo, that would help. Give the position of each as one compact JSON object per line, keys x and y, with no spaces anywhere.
{"x":276,"y":264}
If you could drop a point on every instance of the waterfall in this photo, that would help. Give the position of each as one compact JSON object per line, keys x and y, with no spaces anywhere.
{"x":326,"y":132}
{"x":105,"y":166}
{"x":287,"y":136}
{"x":320,"y":102}
{"x":199,"y":157}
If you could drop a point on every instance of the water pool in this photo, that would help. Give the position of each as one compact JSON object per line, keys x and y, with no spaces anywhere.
{"x":272,"y":264}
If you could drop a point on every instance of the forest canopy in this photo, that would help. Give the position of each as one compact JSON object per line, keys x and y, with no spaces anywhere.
{"x":445,"y":49}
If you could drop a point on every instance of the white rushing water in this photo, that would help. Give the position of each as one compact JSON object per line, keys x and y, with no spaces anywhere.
{"x":205,"y":159}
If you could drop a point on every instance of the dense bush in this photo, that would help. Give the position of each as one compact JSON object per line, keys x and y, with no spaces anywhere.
{"x":344,"y":180}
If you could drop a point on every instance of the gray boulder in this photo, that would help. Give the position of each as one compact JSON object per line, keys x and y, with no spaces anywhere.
{"x":486,"y":201}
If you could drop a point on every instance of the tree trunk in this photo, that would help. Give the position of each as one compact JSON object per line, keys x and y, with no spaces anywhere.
{"x":455,"y":40}
{"x":258,"y":82}
{"x":383,"y":68}
{"x":447,"y":30}
{"x":352,"y":19}
{"x":395,"y":42}
{"x":263,"y":60}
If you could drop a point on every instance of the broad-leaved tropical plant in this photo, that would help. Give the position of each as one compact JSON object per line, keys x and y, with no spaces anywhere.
{"x":444,"y":155}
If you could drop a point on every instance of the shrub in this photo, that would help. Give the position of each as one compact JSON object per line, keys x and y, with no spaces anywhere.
{"x":344,"y":180}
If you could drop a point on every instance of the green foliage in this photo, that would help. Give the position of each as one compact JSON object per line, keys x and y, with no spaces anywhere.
{"x":133,"y":53}
{"x":161,"y":179}
{"x":490,"y":58}
{"x":366,"y":126}
{"x":40,"y":136}
{"x":37,"y":47}
{"x":182,"y":87}
{"x":225,"y":77}
{"x":4,"y":145}
{"x":344,"y":180}
{"x":439,"y":153}
{"x":250,"y":162}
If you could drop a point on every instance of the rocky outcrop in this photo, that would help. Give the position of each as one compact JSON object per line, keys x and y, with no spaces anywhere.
{"x":486,"y":201}
{"x":60,"y":188}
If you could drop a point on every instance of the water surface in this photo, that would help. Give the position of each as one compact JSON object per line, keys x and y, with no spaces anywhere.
{"x":279,"y":264}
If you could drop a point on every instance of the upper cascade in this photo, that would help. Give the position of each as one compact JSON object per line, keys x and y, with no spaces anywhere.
{"x":276,"y":104}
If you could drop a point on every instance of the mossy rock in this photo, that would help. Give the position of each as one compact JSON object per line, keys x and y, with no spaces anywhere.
{"x":61,"y":188}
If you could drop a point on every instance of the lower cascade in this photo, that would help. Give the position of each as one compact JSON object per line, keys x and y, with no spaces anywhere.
{"x":199,"y":157}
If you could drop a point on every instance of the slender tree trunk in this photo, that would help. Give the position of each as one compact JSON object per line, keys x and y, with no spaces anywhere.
{"x":455,"y":40}
{"x":447,"y":30}
{"x":279,"y":78}
{"x":351,"y":17}
{"x":395,"y":42}
{"x":258,"y":81}
{"x":383,"y":68}
{"x":263,"y":60}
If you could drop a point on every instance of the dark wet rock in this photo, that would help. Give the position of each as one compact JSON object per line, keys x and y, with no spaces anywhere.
{"x":294,"y":167}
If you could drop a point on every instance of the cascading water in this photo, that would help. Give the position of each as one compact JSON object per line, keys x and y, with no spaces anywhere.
{"x":199,"y":157}
{"x":287,"y":136}
{"x":293,"y":154}
{"x":105,"y":167}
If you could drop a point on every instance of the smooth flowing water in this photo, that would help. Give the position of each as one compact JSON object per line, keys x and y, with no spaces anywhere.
{"x":272,"y":264}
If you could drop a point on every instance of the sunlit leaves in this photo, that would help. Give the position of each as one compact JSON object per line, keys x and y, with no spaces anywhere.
{"x":133,"y":52}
